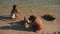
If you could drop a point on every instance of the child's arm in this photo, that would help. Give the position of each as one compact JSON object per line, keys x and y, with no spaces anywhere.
{"x":26,"y":20}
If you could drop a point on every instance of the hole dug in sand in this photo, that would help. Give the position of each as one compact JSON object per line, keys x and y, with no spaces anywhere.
{"x":48,"y":17}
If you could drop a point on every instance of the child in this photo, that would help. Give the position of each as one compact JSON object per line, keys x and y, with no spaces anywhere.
{"x":36,"y":23}
{"x":14,"y":13}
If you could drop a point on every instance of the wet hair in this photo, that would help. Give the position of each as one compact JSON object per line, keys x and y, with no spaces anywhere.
{"x":32,"y":18}
{"x":14,"y":6}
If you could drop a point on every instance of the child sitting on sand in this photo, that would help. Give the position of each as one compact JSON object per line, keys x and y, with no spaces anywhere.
{"x":14,"y":13}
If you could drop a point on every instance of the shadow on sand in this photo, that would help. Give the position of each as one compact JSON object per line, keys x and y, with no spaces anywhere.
{"x":17,"y":26}
{"x":4,"y":18}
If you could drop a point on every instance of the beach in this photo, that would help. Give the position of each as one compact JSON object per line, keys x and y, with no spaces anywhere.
{"x":49,"y":27}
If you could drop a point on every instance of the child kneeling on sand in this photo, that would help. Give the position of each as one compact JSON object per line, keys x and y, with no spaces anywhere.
{"x":35,"y":23}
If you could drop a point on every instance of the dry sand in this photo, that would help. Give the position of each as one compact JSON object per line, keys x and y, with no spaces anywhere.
{"x":49,"y":26}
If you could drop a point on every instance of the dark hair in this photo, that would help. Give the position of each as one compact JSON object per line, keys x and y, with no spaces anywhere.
{"x":32,"y":18}
{"x":14,"y":6}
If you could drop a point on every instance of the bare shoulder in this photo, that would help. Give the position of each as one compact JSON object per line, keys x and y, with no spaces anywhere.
{"x":38,"y":20}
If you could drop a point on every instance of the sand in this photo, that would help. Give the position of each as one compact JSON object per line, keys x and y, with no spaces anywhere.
{"x":49,"y":26}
